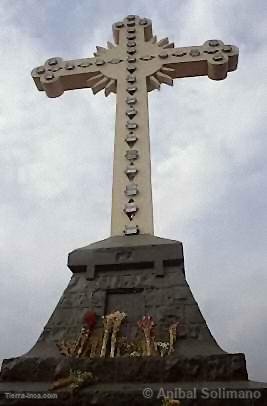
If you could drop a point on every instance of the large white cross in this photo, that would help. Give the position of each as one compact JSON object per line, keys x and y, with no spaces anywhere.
{"x":137,"y":64}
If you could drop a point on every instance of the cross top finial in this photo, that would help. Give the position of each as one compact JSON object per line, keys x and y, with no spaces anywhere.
{"x":137,"y":64}
{"x":130,"y":25}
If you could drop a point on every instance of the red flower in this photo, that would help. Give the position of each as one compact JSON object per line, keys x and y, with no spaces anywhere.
{"x":146,"y":322}
{"x":90,"y":319}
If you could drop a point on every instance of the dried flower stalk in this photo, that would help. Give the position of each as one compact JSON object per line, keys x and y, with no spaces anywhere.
{"x":108,"y":323}
{"x":118,"y":318}
{"x":94,"y":344}
{"x":82,"y":342}
{"x":61,"y":383}
{"x":173,"y":336}
{"x":171,"y":402}
{"x":74,"y":381}
{"x":147,"y":324}
{"x":66,"y":348}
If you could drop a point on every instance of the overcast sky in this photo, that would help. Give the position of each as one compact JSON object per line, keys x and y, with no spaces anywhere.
{"x":209,"y":164}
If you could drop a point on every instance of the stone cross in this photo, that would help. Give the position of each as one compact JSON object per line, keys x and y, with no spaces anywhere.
{"x":136,"y":65}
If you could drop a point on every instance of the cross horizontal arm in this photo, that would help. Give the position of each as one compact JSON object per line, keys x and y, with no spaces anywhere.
{"x":57,"y":75}
{"x":213,"y":59}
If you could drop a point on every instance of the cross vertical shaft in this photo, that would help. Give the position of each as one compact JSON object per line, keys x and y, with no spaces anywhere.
{"x":132,"y":156}
{"x":132,"y":208}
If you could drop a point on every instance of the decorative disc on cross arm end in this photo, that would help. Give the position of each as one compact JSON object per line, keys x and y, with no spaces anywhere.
{"x":217,"y":67}
{"x":52,"y":85}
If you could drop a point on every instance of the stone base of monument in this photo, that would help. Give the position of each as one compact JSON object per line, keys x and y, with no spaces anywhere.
{"x":163,"y":344}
